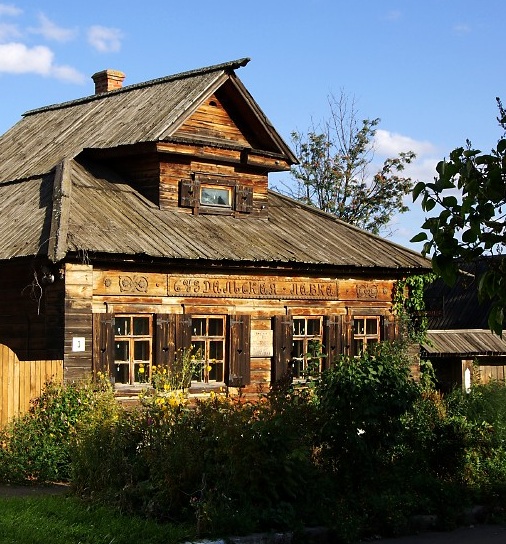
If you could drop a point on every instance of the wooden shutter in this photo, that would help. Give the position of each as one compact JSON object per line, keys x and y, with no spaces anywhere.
{"x":103,"y":343}
{"x":387,"y":328}
{"x":244,"y":199}
{"x":239,"y":354}
{"x":332,"y":339}
{"x":283,"y":345}
{"x":189,"y":193}
{"x":183,"y":332}
{"x":347,"y":335}
{"x":165,"y":340}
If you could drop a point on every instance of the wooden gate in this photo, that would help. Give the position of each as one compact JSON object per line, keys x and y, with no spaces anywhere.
{"x":22,"y":381}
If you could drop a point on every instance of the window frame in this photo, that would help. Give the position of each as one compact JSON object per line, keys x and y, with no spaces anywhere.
{"x":206,"y":360}
{"x":301,"y":364}
{"x":365,"y":337}
{"x":130,"y":339}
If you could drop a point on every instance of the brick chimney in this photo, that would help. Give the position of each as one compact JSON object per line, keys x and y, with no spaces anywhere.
{"x":108,"y":80}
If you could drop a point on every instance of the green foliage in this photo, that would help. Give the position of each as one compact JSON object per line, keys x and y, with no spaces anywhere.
{"x":178,"y":376}
{"x":37,"y":445}
{"x":409,"y":305}
{"x":361,"y":401}
{"x":332,"y":171}
{"x":469,"y":194}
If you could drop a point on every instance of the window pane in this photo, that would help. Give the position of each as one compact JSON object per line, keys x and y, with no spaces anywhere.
{"x":358,"y":326}
{"x":122,"y":326}
{"x":141,"y":372}
{"x":198,"y":372}
{"x":298,"y":349}
{"x":141,"y":326}
{"x":358,"y":346}
{"x":215,"y":327}
{"x":121,"y":373}
{"x":216,"y":349}
{"x":299,"y":327}
{"x":141,"y":350}
{"x":199,"y":349}
{"x":198,"y":326}
{"x":121,"y":351}
{"x":216,"y":372}
{"x":372,"y":326}
{"x":215,"y":196}
{"x":313,"y":327}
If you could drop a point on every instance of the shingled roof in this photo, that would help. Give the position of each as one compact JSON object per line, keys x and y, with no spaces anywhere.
{"x":56,"y":202}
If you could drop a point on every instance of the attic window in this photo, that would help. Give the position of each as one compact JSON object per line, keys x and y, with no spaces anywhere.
{"x":213,"y":103}
{"x":213,"y":194}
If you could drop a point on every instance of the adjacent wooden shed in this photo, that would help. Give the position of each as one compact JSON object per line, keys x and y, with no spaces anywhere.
{"x":459,"y":343}
{"x":138,"y":221}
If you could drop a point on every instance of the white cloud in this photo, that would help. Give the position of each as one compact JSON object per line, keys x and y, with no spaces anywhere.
{"x":393,"y":15}
{"x":51,"y":31}
{"x":461,"y":28}
{"x":8,"y":32}
{"x":390,"y":144}
{"x":9,"y":9}
{"x":104,"y":39}
{"x":17,"y":58}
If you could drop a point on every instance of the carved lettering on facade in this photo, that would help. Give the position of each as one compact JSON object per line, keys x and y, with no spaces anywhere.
{"x":133,"y":284}
{"x":367,"y":291}
{"x":202,"y":286}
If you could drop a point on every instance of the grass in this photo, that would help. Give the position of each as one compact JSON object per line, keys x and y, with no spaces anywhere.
{"x":59,"y":520}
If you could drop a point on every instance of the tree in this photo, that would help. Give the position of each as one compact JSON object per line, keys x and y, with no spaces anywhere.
{"x":333,"y":175}
{"x":469,"y":193}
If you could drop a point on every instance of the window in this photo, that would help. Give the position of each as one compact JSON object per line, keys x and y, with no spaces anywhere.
{"x":216,"y":196}
{"x":307,"y":345}
{"x":208,"y":340}
{"x":132,"y":349}
{"x":366,"y":331}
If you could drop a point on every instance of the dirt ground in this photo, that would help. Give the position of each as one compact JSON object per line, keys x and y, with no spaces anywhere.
{"x":33,"y":491}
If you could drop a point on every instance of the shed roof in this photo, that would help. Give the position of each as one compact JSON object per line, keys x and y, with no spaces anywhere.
{"x":463,"y":343}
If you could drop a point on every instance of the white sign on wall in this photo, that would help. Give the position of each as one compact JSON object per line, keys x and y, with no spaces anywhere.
{"x":261,"y":344}
{"x":78,"y":343}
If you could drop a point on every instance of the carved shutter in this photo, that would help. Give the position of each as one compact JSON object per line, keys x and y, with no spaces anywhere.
{"x":103,"y":344}
{"x":332,"y":339}
{"x":243,"y":199}
{"x":283,"y":345}
{"x":165,"y":336}
{"x":189,"y":193}
{"x":239,"y":353}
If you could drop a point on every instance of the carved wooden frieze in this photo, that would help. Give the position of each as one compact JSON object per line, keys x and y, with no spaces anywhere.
{"x":252,"y":287}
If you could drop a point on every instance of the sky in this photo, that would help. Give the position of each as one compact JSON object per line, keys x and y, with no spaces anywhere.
{"x":430,"y":70}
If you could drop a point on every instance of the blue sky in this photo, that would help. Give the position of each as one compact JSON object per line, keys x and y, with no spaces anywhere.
{"x":429,"y":69}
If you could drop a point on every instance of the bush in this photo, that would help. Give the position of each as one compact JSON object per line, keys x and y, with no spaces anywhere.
{"x":36,"y":446}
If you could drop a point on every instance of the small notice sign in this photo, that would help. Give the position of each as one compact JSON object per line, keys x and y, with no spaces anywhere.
{"x":78,"y":343}
{"x":262,"y":343}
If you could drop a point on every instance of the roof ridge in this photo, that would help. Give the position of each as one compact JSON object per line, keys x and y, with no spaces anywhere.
{"x":230,"y":65}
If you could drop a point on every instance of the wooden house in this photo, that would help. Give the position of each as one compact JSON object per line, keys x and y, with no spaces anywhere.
{"x":138,"y":221}
{"x":459,"y":344}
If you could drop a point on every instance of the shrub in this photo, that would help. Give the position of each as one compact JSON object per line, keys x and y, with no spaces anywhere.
{"x":36,"y":446}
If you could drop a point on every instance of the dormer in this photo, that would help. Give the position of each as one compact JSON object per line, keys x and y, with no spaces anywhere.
{"x":213,"y":156}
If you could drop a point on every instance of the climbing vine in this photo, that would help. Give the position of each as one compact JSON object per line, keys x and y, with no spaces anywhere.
{"x":409,"y":305}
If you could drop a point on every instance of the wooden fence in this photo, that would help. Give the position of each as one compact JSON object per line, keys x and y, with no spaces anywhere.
{"x":22,"y":381}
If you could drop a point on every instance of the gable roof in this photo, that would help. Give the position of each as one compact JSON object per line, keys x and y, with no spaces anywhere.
{"x":145,"y":112}
{"x":56,"y":203}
